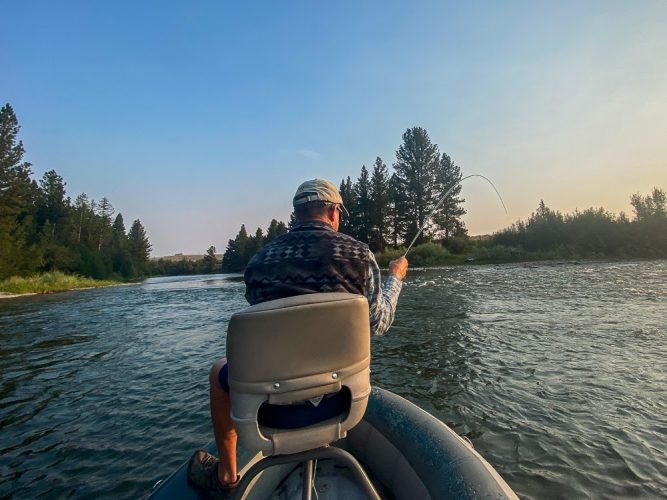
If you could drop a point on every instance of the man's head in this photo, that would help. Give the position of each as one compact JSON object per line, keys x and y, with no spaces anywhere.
{"x":318,"y":199}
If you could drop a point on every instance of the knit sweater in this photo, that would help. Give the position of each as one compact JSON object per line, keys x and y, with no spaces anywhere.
{"x":310,"y":258}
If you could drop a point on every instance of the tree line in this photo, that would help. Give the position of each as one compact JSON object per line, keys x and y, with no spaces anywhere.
{"x":42,"y":230}
{"x":387,"y":207}
{"x":592,"y":233}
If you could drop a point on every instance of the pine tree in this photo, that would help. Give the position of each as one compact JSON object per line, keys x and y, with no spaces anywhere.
{"x":416,"y":167}
{"x":82,"y":213}
{"x":255,"y":243}
{"x":236,"y":255}
{"x":138,"y":246}
{"x":121,"y":262}
{"x":380,"y":206}
{"x":448,"y":217}
{"x":396,"y":211}
{"x":17,"y":194}
{"x":363,"y":209}
{"x":104,"y":213}
{"x":347,"y":224}
{"x":52,"y":205}
{"x":274,"y":230}
{"x":16,"y":188}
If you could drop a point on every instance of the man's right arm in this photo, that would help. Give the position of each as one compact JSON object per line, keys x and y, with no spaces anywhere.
{"x":382,"y":300}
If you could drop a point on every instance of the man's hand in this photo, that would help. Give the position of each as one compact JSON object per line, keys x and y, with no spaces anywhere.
{"x":399,"y":267}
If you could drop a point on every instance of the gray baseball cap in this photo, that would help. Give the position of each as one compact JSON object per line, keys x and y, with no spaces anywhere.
{"x":318,"y":190}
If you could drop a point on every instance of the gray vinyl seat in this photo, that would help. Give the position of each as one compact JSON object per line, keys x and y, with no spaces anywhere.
{"x":295,"y":349}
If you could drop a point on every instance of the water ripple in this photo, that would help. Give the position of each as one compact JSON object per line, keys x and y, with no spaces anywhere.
{"x":556,"y":372}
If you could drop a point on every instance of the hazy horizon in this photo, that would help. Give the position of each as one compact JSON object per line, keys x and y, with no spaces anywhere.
{"x":196,"y":119}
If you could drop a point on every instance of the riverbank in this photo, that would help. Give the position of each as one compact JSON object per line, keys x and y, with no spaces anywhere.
{"x":51,"y":282}
{"x":435,"y":255}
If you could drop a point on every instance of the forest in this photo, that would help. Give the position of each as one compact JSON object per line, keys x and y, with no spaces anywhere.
{"x":43,"y":230}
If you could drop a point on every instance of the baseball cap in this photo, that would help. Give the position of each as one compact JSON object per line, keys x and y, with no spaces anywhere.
{"x":318,"y":190}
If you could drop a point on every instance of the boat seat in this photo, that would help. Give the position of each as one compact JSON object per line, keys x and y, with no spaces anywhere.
{"x":292,"y":352}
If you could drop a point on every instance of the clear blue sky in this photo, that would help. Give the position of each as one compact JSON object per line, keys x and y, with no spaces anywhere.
{"x":198,"y":116}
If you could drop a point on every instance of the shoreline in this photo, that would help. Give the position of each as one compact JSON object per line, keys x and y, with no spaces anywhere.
{"x":9,"y":295}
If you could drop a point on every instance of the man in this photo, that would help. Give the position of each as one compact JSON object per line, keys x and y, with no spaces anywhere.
{"x":312,"y":257}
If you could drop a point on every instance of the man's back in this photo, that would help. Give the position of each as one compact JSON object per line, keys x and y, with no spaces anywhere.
{"x":311,"y":258}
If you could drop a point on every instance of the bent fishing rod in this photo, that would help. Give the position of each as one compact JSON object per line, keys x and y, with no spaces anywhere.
{"x":442,"y":200}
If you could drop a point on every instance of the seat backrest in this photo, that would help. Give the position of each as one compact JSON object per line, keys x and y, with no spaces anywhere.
{"x":294,"y":349}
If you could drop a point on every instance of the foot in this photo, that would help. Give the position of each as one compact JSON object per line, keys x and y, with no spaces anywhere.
{"x":203,"y":474}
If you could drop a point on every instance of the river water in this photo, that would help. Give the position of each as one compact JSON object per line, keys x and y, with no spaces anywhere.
{"x":557,"y":372}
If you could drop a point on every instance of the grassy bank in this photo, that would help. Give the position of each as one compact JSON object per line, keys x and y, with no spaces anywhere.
{"x":434,"y":254}
{"x":426,"y":255}
{"x":55,"y":281}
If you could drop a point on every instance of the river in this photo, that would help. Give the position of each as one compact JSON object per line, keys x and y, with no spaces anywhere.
{"x":557,"y":372}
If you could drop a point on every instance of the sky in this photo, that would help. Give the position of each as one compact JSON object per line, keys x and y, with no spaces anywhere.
{"x":196,"y":117}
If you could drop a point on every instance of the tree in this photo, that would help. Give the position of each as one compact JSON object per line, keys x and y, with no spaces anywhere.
{"x":380,"y":206}
{"x":417,"y":161}
{"x":362,"y":215}
{"x":210,"y":261}
{"x":138,"y":246}
{"x":121,"y":261}
{"x":52,"y":205}
{"x":104,"y":213}
{"x":17,"y":194}
{"x":274,"y":230}
{"x":347,"y":224}
{"x":16,"y":188}
{"x":647,"y":207}
{"x":255,"y":243}
{"x":396,"y":211}
{"x":236,"y":255}
{"x":448,"y":217}
{"x":82,"y":212}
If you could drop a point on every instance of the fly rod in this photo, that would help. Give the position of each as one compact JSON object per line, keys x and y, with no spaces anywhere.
{"x":442,"y":200}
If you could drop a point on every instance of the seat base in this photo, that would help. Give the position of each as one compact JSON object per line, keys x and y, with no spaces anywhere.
{"x":307,"y":458}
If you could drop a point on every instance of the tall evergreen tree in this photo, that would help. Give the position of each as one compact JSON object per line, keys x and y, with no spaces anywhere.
{"x":82,"y":213}
{"x":104,"y":213}
{"x":236,"y":255}
{"x":121,"y":261}
{"x":138,"y":246}
{"x":448,"y":217}
{"x":363,"y":210}
{"x":17,"y":194}
{"x":52,"y":205}
{"x":274,"y":230}
{"x":255,"y":243}
{"x":380,"y":206}
{"x":417,"y":160}
{"x":348,"y":195}
{"x":396,"y":217}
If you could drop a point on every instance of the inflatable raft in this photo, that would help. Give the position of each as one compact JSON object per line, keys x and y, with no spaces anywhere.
{"x":299,"y":378}
{"x":407,"y":453}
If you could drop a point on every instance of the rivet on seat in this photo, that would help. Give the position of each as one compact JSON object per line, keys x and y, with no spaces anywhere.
{"x":276,"y":385}
{"x":334,"y":375}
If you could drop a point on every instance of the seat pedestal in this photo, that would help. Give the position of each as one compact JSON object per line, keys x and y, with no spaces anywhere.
{"x":307,"y":458}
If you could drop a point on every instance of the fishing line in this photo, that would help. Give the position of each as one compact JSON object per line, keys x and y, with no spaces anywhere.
{"x":444,"y":196}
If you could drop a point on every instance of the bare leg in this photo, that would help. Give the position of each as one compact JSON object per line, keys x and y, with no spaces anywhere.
{"x":223,"y":427}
